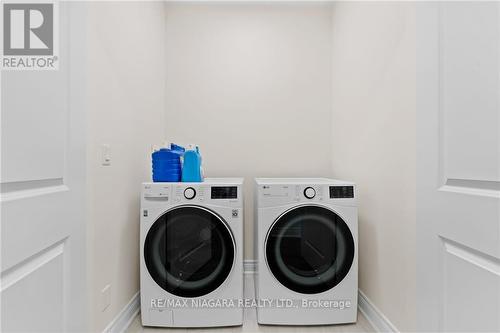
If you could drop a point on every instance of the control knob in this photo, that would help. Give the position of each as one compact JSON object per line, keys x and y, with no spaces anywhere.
{"x":309,"y":192}
{"x":189,"y":193}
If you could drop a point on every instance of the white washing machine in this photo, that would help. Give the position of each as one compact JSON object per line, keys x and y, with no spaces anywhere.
{"x":191,"y":253}
{"x":306,"y":234}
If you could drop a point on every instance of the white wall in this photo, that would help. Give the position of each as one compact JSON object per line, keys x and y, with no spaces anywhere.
{"x":251,"y":83}
{"x":266,"y":89}
{"x":125,"y":109}
{"x":373,"y":144}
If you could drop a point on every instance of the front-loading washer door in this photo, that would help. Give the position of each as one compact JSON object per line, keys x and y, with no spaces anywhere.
{"x":309,"y":249}
{"x":189,"y":251}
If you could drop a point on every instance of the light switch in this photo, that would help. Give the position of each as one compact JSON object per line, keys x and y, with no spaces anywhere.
{"x":105,"y":154}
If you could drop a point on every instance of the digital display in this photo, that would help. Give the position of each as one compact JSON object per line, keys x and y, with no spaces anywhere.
{"x":224,"y":192}
{"x":341,"y":192}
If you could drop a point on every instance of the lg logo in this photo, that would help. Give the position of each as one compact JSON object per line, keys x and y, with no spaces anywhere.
{"x":28,"y":29}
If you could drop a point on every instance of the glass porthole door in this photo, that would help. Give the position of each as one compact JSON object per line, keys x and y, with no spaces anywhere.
{"x":189,"y":251}
{"x":309,"y":249}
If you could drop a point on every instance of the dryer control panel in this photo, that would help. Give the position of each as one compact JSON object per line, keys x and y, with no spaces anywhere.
{"x":275,"y":194}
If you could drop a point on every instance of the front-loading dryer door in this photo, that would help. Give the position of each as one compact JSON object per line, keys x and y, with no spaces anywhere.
{"x":309,"y":249}
{"x":189,"y":251}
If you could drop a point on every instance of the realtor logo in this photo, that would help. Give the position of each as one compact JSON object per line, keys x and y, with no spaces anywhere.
{"x":29,"y":36}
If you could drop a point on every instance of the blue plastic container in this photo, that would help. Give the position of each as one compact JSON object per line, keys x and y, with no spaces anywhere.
{"x":167,"y":164}
{"x":191,"y":169}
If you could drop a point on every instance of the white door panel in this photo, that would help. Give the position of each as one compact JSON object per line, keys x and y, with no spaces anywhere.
{"x":53,"y":207}
{"x":33,"y":294}
{"x":469,"y":59}
{"x":458,"y":166}
{"x":470,"y":290}
{"x":38,"y":133}
{"x":43,"y":190}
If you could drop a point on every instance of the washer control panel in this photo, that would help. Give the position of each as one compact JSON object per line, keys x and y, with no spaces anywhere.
{"x":158,"y":194}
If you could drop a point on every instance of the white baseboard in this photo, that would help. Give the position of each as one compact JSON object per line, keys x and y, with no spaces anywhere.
{"x":249,"y":266}
{"x":123,"y":320}
{"x":374,"y":316}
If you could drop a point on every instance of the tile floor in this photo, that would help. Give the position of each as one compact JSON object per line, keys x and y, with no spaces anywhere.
{"x":250,"y":323}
